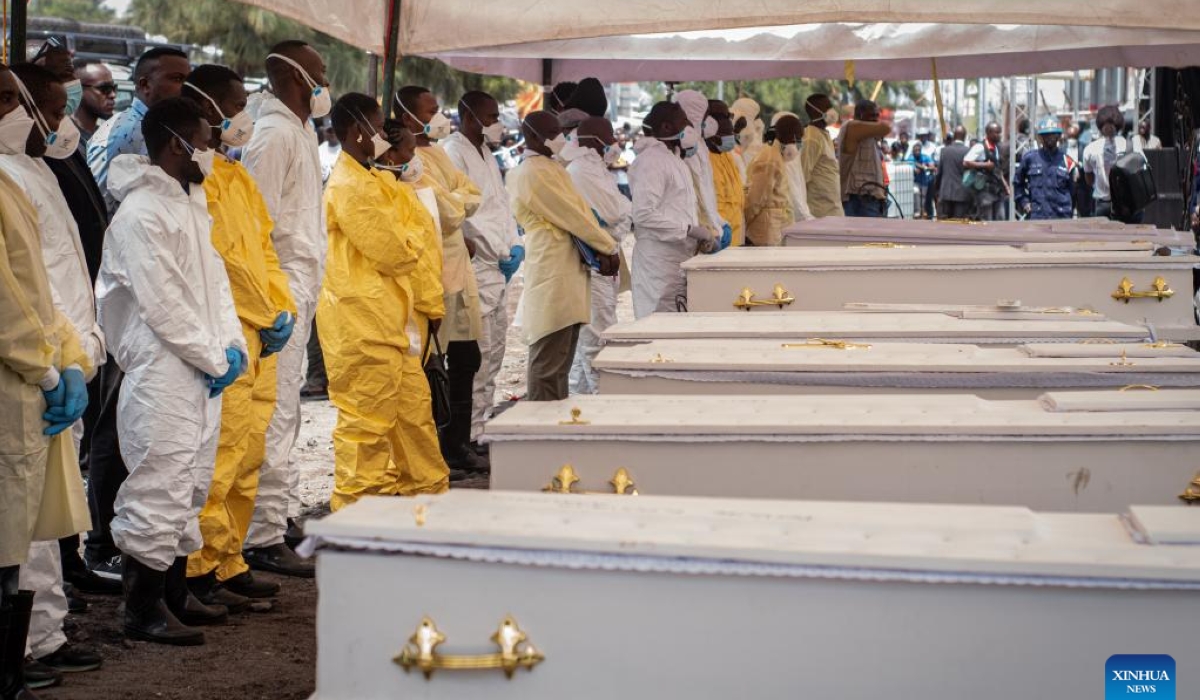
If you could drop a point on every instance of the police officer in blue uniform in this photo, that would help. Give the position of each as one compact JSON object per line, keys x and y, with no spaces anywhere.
{"x":1043,"y":184}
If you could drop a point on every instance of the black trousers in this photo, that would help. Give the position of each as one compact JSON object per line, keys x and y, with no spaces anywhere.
{"x":316,"y":377}
{"x":463,"y":360}
{"x":106,"y":469}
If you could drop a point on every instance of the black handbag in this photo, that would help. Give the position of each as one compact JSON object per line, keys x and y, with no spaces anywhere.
{"x":439,"y":380}
{"x":1132,"y":187}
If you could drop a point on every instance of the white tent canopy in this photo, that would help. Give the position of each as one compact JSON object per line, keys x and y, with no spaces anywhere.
{"x":678,"y":39}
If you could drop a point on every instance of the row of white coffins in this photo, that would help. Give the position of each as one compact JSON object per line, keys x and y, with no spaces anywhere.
{"x":986,"y":464}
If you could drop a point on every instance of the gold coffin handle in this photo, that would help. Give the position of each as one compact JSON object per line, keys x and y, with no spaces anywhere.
{"x":565,"y":480}
{"x":515,"y":651}
{"x":1191,"y":494}
{"x":1159,"y":289}
{"x":780,"y":297}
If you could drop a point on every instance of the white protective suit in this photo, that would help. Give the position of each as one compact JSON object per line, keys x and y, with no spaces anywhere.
{"x":664,"y":208}
{"x":66,"y":267}
{"x":284,"y":159}
{"x":493,"y":230}
{"x":797,"y":189}
{"x":599,"y":188}
{"x":695,"y":105}
{"x":71,"y":288}
{"x":750,"y":138}
{"x":167,"y":312}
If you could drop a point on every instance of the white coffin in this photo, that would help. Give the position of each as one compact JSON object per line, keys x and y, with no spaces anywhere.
{"x":1002,"y":330}
{"x":1055,"y":453}
{"x":822,"y":366}
{"x":852,"y":231}
{"x":661,"y":598}
{"x":825,"y":279}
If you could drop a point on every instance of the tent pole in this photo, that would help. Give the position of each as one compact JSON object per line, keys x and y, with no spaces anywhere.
{"x":1012,"y":147}
{"x":17,"y":31}
{"x":373,"y":75}
{"x":548,"y":73}
{"x":389,"y":54}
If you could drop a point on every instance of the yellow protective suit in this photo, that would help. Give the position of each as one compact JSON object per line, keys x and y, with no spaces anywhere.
{"x":241,"y":235}
{"x":550,"y":209}
{"x":731,"y":193}
{"x":768,"y":199}
{"x":457,"y":199}
{"x":363,"y":321}
{"x":36,"y":342}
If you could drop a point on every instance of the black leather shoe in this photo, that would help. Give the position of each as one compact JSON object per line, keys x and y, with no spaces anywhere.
{"x":75,"y":604}
{"x":86,"y":581}
{"x":244,"y":584}
{"x":208,"y":591}
{"x":39,"y":675}
{"x":186,"y":607}
{"x":73,"y":659}
{"x":294,"y":535}
{"x":279,"y":559}
{"x":147,"y":617}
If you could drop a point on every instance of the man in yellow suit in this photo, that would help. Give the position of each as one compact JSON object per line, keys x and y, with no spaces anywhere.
{"x":457,"y":199}
{"x":557,"y":293}
{"x":768,"y":197}
{"x":727,"y":176}
{"x":241,"y":234}
{"x":363,"y":315}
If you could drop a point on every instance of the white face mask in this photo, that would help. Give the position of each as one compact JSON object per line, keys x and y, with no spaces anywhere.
{"x":235,"y":132}
{"x":437,"y":128}
{"x":612,"y":152}
{"x":710,"y":128}
{"x":320,"y":101}
{"x":790,"y":152}
{"x":62,"y":143}
{"x":556,"y":144}
{"x":204,"y":158}
{"x":689,"y":139}
{"x":573,"y":151}
{"x":14,"y":131}
{"x":413,"y":169}
{"x":494,"y":133}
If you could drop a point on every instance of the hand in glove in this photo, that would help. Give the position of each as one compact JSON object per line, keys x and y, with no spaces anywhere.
{"x":237,"y":365}
{"x":276,"y":337}
{"x":66,"y":402}
{"x":510,"y":266}
{"x":726,"y":236}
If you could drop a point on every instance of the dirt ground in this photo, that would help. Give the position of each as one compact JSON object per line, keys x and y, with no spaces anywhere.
{"x":257,"y":655}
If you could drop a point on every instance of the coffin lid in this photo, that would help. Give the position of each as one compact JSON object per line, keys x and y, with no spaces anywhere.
{"x":904,"y":416}
{"x":825,"y":355}
{"x":959,"y":256}
{"x":845,"y":324}
{"x":914,"y":537}
{"x":976,"y":233}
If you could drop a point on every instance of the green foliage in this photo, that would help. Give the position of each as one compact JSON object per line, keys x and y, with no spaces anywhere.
{"x":79,"y":10}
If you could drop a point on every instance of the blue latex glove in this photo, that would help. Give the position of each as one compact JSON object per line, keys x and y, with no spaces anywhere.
{"x":600,"y":220}
{"x":66,"y":403}
{"x":237,"y":365}
{"x":276,"y":337}
{"x":726,"y":236}
{"x":510,"y":266}
{"x":55,"y":415}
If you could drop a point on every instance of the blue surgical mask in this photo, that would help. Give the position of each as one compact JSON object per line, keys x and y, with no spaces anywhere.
{"x":728,"y":143}
{"x":74,"y":95}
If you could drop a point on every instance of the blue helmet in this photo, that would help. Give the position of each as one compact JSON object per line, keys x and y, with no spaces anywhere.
{"x":1049,"y":125}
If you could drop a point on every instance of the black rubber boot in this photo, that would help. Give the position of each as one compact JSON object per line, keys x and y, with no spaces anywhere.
{"x":208,"y":591}
{"x":277,"y":559}
{"x":246,"y":585}
{"x":183,"y":605}
{"x":147,"y":617}
{"x":14,"y":628}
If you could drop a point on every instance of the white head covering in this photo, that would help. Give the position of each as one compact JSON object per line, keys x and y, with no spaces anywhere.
{"x":780,"y":115}
{"x":694,"y":104}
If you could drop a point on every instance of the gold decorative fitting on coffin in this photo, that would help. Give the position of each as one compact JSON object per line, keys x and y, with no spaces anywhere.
{"x":420,"y":512}
{"x":1162,"y":345}
{"x":658,"y":359}
{"x":566,"y":478}
{"x":1124,"y":361}
{"x":1191,"y":494}
{"x":515,"y":651}
{"x":825,"y":343}
{"x":881,"y":244}
{"x":780,"y":297}
{"x":575,"y":418}
{"x":1159,"y":290}
{"x":1131,"y":387}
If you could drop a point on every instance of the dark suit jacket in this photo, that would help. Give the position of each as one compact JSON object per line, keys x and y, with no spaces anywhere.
{"x":948,"y":182}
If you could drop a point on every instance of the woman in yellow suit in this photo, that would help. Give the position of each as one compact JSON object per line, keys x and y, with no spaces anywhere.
{"x":363,"y":315}
{"x":241,"y":234}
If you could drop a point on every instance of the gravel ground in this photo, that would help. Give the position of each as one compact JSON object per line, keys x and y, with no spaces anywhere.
{"x":259,"y":655}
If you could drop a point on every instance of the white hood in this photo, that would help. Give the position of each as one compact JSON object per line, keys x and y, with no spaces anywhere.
{"x":133,"y":172}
